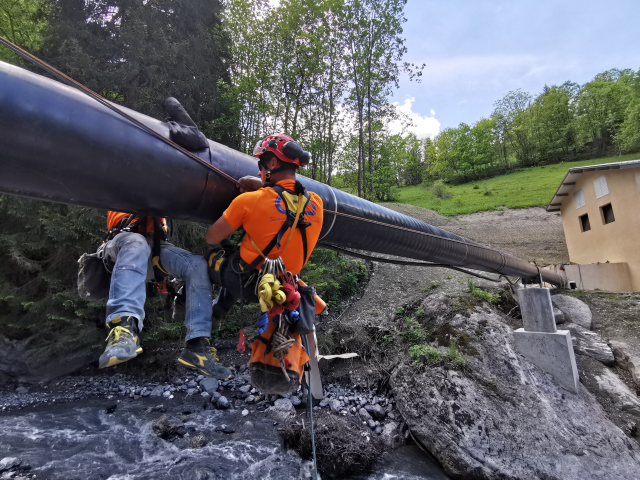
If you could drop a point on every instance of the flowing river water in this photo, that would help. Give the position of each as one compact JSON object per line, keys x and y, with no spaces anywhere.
{"x":81,"y":441}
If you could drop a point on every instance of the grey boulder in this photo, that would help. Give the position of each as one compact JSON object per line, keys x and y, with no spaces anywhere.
{"x":335,"y":405}
{"x":574,"y":310}
{"x":558,"y":315}
{"x":364,"y":414}
{"x":586,"y":342}
{"x":627,"y":359}
{"x":436,"y":306}
{"x":617,"y":399}
{"x":9,"y":463}
{"x":198,"y":442}
{"x":210,"y":385}
{"x":378,"y":412}
{"x":503,"y":403}
{"x":157,"y":391}
{"x":282,"y":409}
{"x":168,"y":427}
{"x":622,"y":396}
{"x":391,"y":435}
{"x":222,"y":402}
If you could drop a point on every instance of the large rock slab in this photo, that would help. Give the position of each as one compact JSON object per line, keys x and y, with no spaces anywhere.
{"x":503,"y":417}
{"x":574,"y":310}
{"x":618,"y":400}
{"x":622,"y":396}
{"x":586,"y":342}
{"x":627,"y":359}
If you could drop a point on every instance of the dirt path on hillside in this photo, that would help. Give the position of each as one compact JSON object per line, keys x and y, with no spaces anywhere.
{"x":527,"y":233}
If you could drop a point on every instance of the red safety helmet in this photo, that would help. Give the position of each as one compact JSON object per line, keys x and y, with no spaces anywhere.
{"x":284,"y":147}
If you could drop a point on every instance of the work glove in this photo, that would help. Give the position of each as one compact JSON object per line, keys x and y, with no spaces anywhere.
{"x":250,"y":184}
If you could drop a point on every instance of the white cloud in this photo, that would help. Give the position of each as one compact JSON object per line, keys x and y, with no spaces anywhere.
{"x":422,"y":127}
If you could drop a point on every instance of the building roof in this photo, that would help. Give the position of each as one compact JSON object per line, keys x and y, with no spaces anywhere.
{"x":570,"y":180}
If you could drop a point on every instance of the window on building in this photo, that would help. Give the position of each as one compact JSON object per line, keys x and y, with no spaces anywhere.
{"x":601,"y":186}
{"x":585,"y":226}
{"x":578,"y":198}
{"x":607,"y":214}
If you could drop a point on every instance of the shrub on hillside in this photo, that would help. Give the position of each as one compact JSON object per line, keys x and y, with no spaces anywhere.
{"x":333,"y":275}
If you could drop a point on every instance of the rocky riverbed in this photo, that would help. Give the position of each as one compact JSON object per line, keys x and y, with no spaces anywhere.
{"x":238,"y":427}
{"x":371,"y":408}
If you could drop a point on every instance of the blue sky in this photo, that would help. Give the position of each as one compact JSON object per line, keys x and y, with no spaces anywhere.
{"x":478,"y":50}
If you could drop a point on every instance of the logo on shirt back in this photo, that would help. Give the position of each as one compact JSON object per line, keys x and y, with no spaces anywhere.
{"x":309,"y":210}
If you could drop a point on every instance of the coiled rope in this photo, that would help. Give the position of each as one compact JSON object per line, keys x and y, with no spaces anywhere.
{"x":280,"y":344}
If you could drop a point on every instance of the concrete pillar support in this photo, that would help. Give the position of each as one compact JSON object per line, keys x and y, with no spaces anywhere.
{"x":541,"y":343}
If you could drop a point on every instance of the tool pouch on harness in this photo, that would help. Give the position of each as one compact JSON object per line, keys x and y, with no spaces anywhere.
{"x":307,"y":310}
{"x":226,"y":269}
{"x":215,"y":259}
{"x":94,"y":279}
{"x":266,"y":372}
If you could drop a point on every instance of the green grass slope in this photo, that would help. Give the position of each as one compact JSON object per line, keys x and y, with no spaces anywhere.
{"x":532,"y":187}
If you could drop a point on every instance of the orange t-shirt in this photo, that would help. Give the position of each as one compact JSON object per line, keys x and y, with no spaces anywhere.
{"x":261,"y":216}
{"x":113,"y":218}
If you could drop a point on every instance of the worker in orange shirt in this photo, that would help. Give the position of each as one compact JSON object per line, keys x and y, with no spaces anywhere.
{"x":264,"y":215}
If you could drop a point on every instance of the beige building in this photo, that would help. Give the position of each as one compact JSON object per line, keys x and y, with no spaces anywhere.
{"x":600,"y":208}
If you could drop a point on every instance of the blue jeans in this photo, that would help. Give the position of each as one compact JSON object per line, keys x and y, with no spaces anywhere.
{"x":127,"y":293}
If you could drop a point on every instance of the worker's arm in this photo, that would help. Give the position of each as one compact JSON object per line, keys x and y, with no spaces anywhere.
{"x":220,"y":230}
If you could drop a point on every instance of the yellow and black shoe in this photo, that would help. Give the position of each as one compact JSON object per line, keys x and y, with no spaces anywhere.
{"x":122,"y":342}
{"x":199,"y":355}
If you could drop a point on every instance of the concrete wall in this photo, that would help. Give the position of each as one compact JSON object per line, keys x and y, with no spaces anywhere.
{"x":612,"y":277}
{"x":617,"y":242}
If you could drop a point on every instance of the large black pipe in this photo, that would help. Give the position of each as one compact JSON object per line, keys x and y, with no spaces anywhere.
{"x":59,"y":144}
